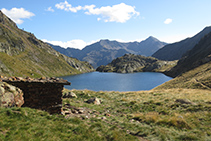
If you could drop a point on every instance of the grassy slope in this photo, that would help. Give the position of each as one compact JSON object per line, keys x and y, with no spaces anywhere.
{"x":198,"y":78}
{"x":21,"y":65}
{"x":29,"y":56}
{"x":145,"y":115}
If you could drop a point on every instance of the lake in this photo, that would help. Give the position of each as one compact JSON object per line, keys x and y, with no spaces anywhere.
{"x":98,"y":81}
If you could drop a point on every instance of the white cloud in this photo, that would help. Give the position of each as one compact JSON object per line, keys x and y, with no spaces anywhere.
{"x":77,"y":43}
{"x":168,"y":21}
{"x":50,"y":9}
{"x":116,"y":13}
{"x":67,"y":7}
{"x":17,"y":14}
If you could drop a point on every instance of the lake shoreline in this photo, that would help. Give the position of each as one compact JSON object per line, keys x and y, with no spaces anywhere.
{"x":101,"y":81}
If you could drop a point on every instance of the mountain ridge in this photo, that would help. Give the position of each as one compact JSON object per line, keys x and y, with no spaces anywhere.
{"x":22,"y":54}
{"x":104,"y":51}
{"x":175,"y":51}
{"x":193,"y":71}
{"x":199,"y":55}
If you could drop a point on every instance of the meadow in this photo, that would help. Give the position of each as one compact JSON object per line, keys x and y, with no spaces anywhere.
{"x":159,"y":114}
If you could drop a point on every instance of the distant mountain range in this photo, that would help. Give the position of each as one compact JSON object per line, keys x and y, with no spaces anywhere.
{"x":104,"y":51}
{"x":22,"y":54}
{"x":176,"y":50}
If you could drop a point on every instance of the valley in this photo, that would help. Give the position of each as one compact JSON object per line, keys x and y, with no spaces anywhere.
{"x":179,"y":109}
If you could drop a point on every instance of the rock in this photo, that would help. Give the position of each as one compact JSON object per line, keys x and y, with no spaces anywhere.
{"x":2,"y":90}
{"x":74,"y":111}
{"x":66,"y":112}
{"x":70,"y":95}
{"x":94,"y":100}
{"x":185,"y":101}
{"x":108,"y":115}
{"x":130,"y":63}
{"x":10,"y":87}
{"x":80,"y":111}
{"x":10,"y":96}
{"x":103,"y":118}
{"x":209,"y":102}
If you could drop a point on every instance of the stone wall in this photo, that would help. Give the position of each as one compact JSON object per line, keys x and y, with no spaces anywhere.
{"x":44,"y":93}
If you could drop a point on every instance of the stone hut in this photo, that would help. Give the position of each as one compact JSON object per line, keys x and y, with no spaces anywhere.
{"x":44,"y":93}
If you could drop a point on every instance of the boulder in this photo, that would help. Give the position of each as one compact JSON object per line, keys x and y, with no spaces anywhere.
{"x":185,"y":101}
{"x":10,"y":96}
{"x":94,"y":100}
{"x":69,"y":95}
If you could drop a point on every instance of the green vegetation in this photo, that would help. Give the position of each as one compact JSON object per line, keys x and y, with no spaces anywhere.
{"x":22,"y":54}
{"x":177,"y":110}
{"x":144,"y":115}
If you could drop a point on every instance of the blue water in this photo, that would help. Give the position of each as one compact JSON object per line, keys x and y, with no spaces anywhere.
{"x":98,"y":81}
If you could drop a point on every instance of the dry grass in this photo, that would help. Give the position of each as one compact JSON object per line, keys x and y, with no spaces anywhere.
{"x":144,"y":115}
{"x":198,"y":78}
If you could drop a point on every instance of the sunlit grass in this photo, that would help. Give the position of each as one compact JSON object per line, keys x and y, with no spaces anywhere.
{"x":151,"y":115}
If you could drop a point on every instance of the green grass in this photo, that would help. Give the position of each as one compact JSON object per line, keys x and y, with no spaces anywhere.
{"x":30,"y":124}
{"x":144,"y":115}
{"x":153,"y":115}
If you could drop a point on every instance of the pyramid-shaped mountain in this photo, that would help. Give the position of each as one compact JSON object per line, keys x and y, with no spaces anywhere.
{"x":104,"y":51}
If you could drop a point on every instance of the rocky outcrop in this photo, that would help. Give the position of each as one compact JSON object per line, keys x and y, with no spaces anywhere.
{"x":69,"y":95}
{"x":10,"y":96}
{"x":94,"y":100}
{"x":81,"y":66}
{"x":130,"y":63}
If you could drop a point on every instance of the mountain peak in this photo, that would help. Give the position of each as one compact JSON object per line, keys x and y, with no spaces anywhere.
{"x":104,"y":40}
{"x":207,"y":27}
{"x":5,"y":20}
{"x":152,"y":38}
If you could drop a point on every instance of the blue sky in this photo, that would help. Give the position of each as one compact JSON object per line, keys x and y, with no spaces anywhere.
{"x":77,"y":23}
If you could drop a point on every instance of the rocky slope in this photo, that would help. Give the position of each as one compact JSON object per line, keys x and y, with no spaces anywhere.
{"x":194,"y":69}
{"x":136,"y":63}
{"x":199,"y":55}
{"x":176,"y":50}
{"x":22,"y":54}
{"x":104,"y":51}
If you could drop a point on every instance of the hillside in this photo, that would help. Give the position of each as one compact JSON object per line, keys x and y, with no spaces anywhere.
{"x":104,"y":51}
{"x":197,"y":56}
{"x":194,"y":69}
{"x":198,"y":78}
{"x":136,"y":63}
{"x":176,"y":50}
{"x":22,"y":54}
